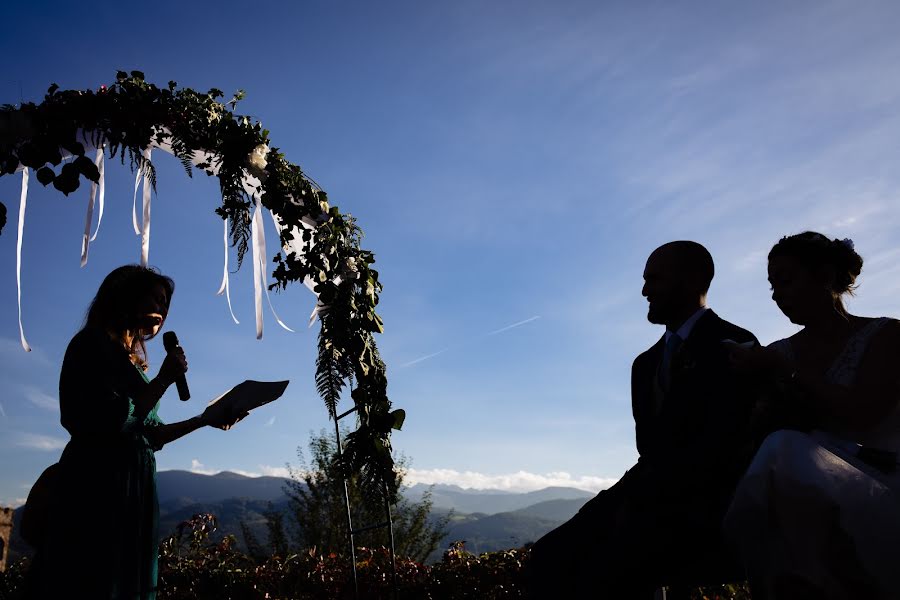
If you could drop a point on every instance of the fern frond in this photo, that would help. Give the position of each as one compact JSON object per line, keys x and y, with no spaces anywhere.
{"x":329,"y":381}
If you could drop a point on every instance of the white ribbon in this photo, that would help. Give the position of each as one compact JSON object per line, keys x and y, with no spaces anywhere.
{"x":22,"y":200}
{"x":87,"y":238}
{"x":101,"y":189}
{"x":257,"y":284}
{"x":134,"y":221}
{"x":145,"y":222}
{"x":258,"y":239}
{"x":224,"y":288}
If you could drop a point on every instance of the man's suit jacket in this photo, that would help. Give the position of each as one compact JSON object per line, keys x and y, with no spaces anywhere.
{"x":694,"y":439}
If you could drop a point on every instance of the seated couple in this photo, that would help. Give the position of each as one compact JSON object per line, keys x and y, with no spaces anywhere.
{"x":776,"y":464}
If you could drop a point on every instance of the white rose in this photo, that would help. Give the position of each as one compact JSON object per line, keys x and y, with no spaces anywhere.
{"x":257,"y":158}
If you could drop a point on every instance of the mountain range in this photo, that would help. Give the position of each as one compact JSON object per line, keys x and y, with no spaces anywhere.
{"x":486,"y":520}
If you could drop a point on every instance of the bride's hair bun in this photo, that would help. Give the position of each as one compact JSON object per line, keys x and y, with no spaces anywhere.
{"x":816,"y":250}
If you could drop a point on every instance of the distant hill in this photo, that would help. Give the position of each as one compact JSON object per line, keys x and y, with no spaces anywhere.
{"x":553,"y":510}
{"x":492,"y":501}
{"x":192,"y":487}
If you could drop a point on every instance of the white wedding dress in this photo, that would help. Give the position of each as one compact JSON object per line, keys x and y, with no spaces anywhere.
{"x":809,"y":507}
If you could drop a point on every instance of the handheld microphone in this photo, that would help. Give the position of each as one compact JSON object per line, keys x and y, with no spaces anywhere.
{"x":170,"y":343}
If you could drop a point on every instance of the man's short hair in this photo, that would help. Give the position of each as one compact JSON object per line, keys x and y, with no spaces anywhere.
{"x":695,"y":260}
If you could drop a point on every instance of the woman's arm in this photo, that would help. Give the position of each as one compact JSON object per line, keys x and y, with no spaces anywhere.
{"x":161,"y":435}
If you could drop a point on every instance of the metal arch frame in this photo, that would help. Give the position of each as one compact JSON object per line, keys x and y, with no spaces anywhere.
{"x":351,"y":533}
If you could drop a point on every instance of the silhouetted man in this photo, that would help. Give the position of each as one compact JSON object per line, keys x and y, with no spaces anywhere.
{"x":692,"y":413}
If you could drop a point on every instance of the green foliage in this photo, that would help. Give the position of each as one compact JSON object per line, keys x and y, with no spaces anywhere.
{"x":317,"y":510}
{"x":131,"y":114}
{"x":193,"y":568}
{"x":12,"y":580}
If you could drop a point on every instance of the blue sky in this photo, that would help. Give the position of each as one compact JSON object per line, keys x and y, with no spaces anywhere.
{"x":512,"y":163}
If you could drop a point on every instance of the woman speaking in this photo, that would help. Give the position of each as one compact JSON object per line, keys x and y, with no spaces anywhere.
{"x":99,"y":538}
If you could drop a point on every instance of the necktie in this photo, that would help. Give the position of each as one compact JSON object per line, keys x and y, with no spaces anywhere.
{"x":665,"y":367}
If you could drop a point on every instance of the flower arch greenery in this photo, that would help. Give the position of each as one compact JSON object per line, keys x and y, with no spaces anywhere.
{"x":128,"y":116}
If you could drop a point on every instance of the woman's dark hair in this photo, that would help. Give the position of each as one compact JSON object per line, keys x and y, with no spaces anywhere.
{"x":815,"y":251}
{"x":114,"y":308}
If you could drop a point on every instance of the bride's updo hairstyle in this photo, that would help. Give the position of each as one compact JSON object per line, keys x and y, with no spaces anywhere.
{"x":817,"y":252}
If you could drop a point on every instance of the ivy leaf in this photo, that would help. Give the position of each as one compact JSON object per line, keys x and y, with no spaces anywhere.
{"x":10,"y":165}
{"x":75,"y":148}
{"x":67,"y":180}
{"x":30,"y":156}
{"x":45,"y":176}
{"x":399,"y":417}
{"x":53,"y":156}
{"x":87,"y":168}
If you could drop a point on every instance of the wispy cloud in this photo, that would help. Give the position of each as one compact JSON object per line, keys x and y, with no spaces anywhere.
{"x":41,"y":399}
{"x":514,"y":325}
{"x":37,"y":441}
{"x":426,"y":357}
{"x":520,"y":481}
{"x":270,"y":422}
{"x":470,"y":341}
{"x":3,"y":412}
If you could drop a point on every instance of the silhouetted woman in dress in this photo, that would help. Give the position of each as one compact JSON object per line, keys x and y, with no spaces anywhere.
{"x":818,"y":513}
{"x":100,"y":538}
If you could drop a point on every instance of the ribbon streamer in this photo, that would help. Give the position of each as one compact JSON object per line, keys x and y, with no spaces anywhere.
{"x":258,"y":235}
{"x":134,"y":221}
{"x":101,"y":185}
{"x":257,"y":284}
{"x":145,"y":222}
{"x":225,"y":286}
{"x":87,"y":238}
{"x":262,"y":267}
{"x":22,"y":200}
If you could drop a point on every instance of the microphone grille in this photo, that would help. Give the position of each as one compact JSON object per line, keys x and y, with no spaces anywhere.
{"x":170,"y":341}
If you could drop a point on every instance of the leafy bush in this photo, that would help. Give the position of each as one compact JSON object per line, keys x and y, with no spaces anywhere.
{"x":193,"y":568}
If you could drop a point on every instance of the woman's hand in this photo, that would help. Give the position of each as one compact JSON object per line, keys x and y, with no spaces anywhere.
{"x":220,"y":419}
{"x":174,"y":366}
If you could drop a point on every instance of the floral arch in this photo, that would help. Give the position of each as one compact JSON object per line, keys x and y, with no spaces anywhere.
{"x":71,"y":133}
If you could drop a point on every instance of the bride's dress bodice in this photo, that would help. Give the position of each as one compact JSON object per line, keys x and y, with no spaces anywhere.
{"x":886,"y":434}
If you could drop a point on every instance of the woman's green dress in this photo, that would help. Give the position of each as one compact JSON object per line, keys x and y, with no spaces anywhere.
{"x":101,"y":542}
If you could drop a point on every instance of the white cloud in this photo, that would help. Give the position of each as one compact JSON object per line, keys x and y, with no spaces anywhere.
{"x":264,"y":470}
{"x":270,"y":422}
{"x":199,"y":468}
{"x":520,"y":481}
{"x":270,"y":471}
{"x":37,"y":441}
{"x":2,"y":412}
